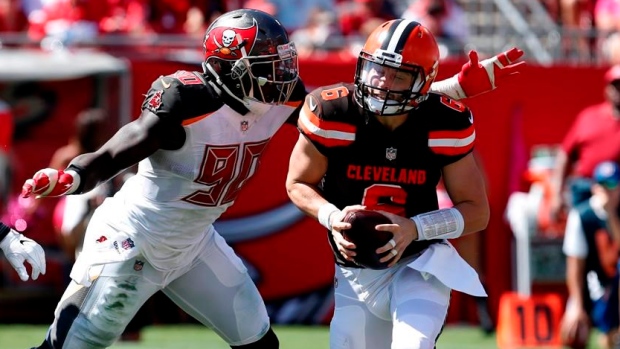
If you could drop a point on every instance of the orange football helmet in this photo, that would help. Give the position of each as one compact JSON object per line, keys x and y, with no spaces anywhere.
{"x":396,"y":67}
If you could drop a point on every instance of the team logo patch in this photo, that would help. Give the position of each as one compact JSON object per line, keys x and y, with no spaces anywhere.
{"x":244,"y":125}
{"x":155,"y":101}
{"x":138,"y":265}
{"x":127,"y":244}
{"x":229,"y":42}
{"x":390,"y":153}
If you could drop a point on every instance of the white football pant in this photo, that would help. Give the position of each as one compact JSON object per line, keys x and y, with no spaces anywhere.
{"x":214,"y":288}
{"x":393,"y":308}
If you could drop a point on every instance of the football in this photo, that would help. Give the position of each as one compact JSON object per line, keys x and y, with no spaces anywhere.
{"x":366,"y":238}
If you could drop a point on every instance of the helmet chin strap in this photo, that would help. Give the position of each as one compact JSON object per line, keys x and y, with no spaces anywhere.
{"x":222,"y":85}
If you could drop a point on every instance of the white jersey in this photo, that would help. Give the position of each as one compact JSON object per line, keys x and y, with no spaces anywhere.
{"x":176,"y":195}
{"x":168,"y":207}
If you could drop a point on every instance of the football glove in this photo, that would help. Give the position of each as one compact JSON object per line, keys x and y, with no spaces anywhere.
{"x":476,"y":77}
{"x":51,"y":182}
{"x":17,"y":248}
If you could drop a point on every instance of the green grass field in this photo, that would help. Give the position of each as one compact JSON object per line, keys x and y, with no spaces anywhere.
{"x":193,"y":336}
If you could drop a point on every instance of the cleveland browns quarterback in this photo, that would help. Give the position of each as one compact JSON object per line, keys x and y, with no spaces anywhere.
{"x":383,"y":143}
{"x":197,"y":141}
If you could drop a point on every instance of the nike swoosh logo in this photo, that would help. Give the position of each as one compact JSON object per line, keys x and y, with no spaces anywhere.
{"x":311,"y":103}
{"x":164,"y":83}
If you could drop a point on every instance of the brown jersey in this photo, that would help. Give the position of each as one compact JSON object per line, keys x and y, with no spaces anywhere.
{"x":395,"y":171}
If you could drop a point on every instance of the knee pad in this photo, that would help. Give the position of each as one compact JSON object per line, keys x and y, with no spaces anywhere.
{"x":268,"y":341}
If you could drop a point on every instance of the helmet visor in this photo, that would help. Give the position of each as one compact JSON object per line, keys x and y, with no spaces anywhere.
{"x":275,"y":75}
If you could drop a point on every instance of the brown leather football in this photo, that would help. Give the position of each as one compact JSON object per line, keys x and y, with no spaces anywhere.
{"x":366,"y":238}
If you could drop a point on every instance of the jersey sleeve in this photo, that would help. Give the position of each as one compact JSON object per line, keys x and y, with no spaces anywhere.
{"x":163,"y":98}
{"x":182,"y":95}
{"x":452,"y":134}
{"x":322,"y":118}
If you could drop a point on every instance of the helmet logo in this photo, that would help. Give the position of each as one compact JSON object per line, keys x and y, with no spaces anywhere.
{"x":230,"y":43}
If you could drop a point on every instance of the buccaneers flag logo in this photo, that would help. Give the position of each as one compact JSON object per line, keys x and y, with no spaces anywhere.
{"x":229,"y":42}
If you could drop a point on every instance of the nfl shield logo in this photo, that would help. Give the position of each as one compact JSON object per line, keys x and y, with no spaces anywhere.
{"x":127,"y":244}
{"x":244,"y":125}
{"x":390,"y":153}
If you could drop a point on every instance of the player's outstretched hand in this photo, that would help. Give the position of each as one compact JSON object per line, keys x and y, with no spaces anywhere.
{"x":17,"y":249}
{"x":51,"y":182}
{"x":478,"y":77}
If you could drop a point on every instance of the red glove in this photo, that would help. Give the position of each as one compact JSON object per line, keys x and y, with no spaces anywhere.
{"x":51,"y":182}
{"x":480,"y":77}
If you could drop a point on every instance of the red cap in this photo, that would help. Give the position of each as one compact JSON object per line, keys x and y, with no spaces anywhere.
{"x":613,"y":73}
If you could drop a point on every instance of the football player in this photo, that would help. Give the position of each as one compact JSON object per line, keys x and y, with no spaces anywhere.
{"x":197,"y":141}
{"x":19,"y":249}
{"x":383,"y":143}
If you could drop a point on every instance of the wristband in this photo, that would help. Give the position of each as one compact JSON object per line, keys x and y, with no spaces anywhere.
{"x":4,"y":231}
{"x":446,"y":223}
{"x":449,"y":87}
{"x":74,"y":171}
{"x":325,"y":212}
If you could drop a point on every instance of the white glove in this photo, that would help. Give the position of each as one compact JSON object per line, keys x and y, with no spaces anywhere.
{"x":17,"y":249}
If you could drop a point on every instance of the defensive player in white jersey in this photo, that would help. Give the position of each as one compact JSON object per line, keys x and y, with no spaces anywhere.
{"x":19,"y":249}
{"x":383,"y":143}
{"x":198,"y":140}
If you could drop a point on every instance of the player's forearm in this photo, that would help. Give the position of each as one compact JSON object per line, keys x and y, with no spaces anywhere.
{"x":575,"y":271}
{"x":306,"y":197}
{"x":127,"y":147}
{"x":475,"y":216}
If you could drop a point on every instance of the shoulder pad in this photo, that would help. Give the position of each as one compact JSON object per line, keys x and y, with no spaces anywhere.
{"x":329,"y":116}
{"x":183,"y":94}
{"x":451,"y":128}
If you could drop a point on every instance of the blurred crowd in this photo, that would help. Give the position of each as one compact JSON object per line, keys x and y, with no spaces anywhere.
{"x":327,"y":25}
{"x":588,"y":26}
{"x":314,"y":24}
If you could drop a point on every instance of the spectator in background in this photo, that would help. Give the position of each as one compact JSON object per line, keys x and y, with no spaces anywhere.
{"x":607,"y":21}
{"x":610,"y":48}
{"x":353,"y":16}
{"x":182,"y":16}
{"x":69,"y":21}
{"x":594,"y":137}
{"x":12,"y":18}
{"x":576,"y":18}
{"x":607,"y":15}
{"x":295,"y":14}
{"x":124,"y":17}
{"x":445,"y":19}
{"x":320,"y":33}
{"x":592,"y":258}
